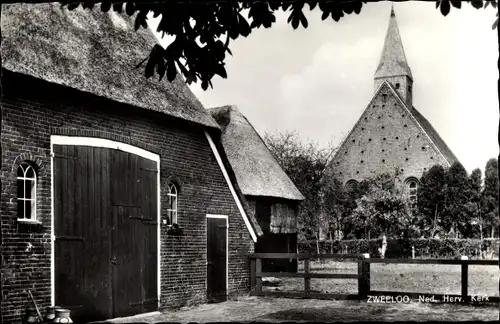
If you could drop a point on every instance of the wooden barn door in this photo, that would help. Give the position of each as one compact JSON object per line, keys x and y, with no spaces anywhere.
{"x":105,"y":209}
{"x":217,"y":259}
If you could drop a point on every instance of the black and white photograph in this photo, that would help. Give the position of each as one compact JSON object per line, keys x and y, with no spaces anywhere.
{"x":210,"y":161}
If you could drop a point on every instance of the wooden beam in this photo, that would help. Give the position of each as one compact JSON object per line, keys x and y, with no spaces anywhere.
{"x":308,"y":275}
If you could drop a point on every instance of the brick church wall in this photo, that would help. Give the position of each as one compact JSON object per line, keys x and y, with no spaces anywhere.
{"x":30,"y":112}
{"x":385,"y":139}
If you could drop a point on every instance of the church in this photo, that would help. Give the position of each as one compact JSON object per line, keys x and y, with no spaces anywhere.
{"x":391,"y":135}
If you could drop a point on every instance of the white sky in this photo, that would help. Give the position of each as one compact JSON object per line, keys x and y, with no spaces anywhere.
{"x":317,"y":81}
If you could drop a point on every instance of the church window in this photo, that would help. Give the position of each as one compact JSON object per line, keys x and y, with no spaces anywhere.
{"x":412,"y":190}
{"x":384,"y":97}
{"x":351,"y":185}
{"x":397,"y":85}
{"x":26,"y":192}
{"x":172,"y":204}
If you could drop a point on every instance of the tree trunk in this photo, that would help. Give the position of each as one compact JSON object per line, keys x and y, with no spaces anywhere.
{"x":331,"y":243}
{"x":435,"y":221}
{"x":317,"y":242}
{"x":492,"y":231}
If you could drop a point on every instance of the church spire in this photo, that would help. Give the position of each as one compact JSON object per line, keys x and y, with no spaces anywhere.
{"x":393,"y":66}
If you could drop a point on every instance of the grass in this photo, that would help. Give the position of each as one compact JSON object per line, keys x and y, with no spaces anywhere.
{"x":418,"y":278}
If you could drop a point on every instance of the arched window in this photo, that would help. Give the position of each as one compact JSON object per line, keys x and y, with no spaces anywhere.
{"x":172,"y":204}
{"x":26,"y":192}
{"x":412,"y":190}
{"x":351,"y":185}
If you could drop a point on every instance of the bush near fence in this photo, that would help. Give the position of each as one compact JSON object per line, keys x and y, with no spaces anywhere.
{"x":402,"y":248}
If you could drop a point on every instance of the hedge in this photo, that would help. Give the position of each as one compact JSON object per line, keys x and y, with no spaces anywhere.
{"x":402,"y":248}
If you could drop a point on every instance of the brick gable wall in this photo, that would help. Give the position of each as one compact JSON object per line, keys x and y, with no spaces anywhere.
{"x":29,"y":117}
{"x":385,"y":139}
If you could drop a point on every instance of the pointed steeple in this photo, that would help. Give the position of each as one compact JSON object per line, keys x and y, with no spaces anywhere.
{"x":393,"y":59}
{"x":393,"y":66}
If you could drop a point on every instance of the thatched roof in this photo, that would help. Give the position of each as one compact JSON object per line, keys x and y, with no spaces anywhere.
{"x":257,"y":171}
{"x":94,"y":52}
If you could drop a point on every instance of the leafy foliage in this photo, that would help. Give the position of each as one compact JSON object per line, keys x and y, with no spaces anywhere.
{"x":489,"y":197}
{"x":402,"y":247}
{"x":203,"y":31}
{"x":304,"y":164}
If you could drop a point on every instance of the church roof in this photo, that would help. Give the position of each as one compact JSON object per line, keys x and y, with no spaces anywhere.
{"x":393,"y":59}
{"x":94,"y":52}
{"x":255,"y":167}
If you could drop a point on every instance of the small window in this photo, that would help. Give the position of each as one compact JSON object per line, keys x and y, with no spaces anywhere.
{"x":362,"y":161}
{"x":383,"y":150}
{"x":366,"y":118}
{"x":384,"y":138}
{"x":338,"y":163}
{"x":351,"y":185}
{"x":406,"y":159}
{"x":423,"y":148}
{"x":412,"y":187}
{"x":362,"y":128}
{"x":418,"y":136}
{"x":383,"y":160}
{"x":397,"y":85}
{"x":357,"y":172}
{"x":369,"y":140}
{"x":383,"y":127}
{"x":362,"y":152}
{"x":405,"y":125}
{"x":397,"y":137}
{"x":405,"y":149}
{"x":379,"y":117}
{"x":409,"y":88}
{"x":26,"y":192}
{"x":172,"y":204}
{"x":353,"y":141}
{"x":384,"y":97}
{"x":432,"y":158}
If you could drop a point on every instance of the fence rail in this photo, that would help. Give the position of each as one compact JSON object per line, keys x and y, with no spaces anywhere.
{"x":363,"y":276}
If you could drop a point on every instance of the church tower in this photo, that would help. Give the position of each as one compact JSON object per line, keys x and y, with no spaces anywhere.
{"x":393,"y":66}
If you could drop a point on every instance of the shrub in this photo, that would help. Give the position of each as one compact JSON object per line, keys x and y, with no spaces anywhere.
{"x":402,"y":248}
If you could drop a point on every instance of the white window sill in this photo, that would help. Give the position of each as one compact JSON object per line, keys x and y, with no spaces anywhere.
{"x":28,"y":221}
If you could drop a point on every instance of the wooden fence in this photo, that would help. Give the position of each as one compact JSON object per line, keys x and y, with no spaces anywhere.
{"x":362,"y":275}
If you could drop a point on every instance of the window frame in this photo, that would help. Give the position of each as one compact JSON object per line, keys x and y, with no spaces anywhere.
{"x":25,"y":167}
{"x":412,"y":191}
{"x":172,"y":213}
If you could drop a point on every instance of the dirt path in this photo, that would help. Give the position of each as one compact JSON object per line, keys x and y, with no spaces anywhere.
{"x":248,"y":309}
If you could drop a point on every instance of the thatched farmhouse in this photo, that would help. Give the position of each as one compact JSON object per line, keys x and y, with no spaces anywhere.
{"x":391,"y":135}
{"x":115,"y":200}
{"x":271,"y":195}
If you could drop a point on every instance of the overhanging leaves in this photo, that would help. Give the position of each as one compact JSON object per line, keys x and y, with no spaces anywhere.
{"x":202,"y":29}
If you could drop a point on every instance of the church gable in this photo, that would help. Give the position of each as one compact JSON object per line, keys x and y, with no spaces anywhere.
{"x":386,"y":138}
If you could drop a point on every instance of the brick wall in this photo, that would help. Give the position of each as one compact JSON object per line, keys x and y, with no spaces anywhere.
{"x":385,"y":139}
{"x":28,"y":119}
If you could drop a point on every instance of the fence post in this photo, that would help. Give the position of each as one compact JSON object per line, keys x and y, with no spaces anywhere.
{"x":258,"y":276}
{"x":364,"y":277}
{"x":307,"y":279}
{"x":465,"y":282}
{"x":252,"y":275}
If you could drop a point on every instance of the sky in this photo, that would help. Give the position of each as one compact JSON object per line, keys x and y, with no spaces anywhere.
{"x":318,"y":81}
